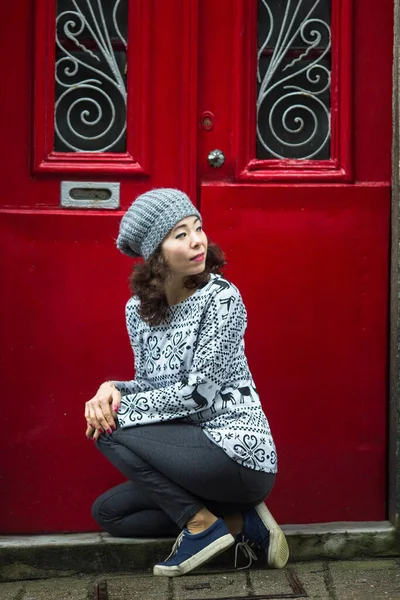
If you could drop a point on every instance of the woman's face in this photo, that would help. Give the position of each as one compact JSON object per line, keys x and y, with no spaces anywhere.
{"x":185,"y":248}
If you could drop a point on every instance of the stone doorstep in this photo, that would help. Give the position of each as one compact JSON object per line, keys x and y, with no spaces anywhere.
{"x":44,"y":556}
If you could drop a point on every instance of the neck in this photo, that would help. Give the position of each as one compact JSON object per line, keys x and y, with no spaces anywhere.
{"x":176,"y":292}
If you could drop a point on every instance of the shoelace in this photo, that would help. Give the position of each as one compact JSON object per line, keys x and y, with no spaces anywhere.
{"x":246,"y":549}
{"x":176,"y":545}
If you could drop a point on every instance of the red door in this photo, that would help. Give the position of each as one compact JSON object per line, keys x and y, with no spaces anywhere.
{"x":301,"y":99}
{"x":81,"y":109}
{"x":305,"y":228}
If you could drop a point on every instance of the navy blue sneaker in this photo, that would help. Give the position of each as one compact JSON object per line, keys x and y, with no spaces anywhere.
{"x":192,"y":550}
{"x":262,"y":532}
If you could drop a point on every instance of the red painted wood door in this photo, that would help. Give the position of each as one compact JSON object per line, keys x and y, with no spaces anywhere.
{"x":306,"y":240}
{"x":306,"y":231}
{"x":64,"y":285}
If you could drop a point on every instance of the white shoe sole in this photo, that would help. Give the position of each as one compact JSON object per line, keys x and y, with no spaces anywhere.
{"x":213,"y":549}
{"x":161,"y":571}
{"x":278,"y":551}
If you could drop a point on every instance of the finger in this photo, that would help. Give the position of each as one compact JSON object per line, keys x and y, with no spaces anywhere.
{"x":96,"y":435}
{"x":116,"y":400}
{"x":87,"y":411}
{"x":101,"y":419}
{"x":89,"y":432}
{"x":110,"y":401}
{"x":107,"y":414}
{"x":87,"y":416}
{"x":103,"y":399}
{"x":93,"y":420}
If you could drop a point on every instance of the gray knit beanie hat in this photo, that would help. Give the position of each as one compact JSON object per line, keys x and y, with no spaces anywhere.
{"x":150,"y":218}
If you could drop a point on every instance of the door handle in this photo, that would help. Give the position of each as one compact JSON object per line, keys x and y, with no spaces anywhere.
{"x":216,"y":158}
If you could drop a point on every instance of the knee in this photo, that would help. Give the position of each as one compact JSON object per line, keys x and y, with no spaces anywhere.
{"x":105,"y":444}
{"x":99,"y":512}
{"x":107,"y":517}
{"x":103,"y":440}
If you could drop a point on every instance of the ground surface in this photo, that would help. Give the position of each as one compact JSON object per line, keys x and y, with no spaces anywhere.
{"x":347,"y":580}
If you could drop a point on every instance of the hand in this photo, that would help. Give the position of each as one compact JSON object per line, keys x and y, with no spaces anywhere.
{"x":101,"y":410}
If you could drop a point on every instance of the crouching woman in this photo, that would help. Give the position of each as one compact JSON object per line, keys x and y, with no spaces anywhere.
{"x":188,"y":432}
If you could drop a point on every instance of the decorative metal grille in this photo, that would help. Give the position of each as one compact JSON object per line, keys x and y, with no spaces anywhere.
{"x":294,"y":79}
{"x":90,"y":75}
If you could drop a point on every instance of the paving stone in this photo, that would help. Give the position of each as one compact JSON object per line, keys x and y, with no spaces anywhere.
{"x":268,"y":581}
{"x":137,"y":588}
{"x":312,"y":577}
{"x":368,"y":580}
{"x":364,"y":565}
{"x":349,"y":580}
{"x":57,"y":589}
{"x":10,"y":591}
{"x":210,"y":585}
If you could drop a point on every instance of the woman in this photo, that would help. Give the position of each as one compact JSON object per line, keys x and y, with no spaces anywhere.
{"x":188,"y":432}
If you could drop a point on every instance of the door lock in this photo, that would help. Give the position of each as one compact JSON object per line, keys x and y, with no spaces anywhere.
{"x":216,"y":158}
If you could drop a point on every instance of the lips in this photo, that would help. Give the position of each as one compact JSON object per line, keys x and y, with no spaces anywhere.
{"x":198,"y":257}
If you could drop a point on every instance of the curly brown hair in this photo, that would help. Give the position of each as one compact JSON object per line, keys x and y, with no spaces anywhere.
{"x":147,"y":281}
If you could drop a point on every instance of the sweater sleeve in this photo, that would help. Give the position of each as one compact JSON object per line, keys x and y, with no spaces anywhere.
{"x":138,"y":384}
{"x":219,"y":337}
{"x":131,"y":387}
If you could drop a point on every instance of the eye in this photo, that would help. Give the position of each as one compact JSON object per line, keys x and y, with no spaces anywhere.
{"x":180,"y":236}
{"x":199,"y":228}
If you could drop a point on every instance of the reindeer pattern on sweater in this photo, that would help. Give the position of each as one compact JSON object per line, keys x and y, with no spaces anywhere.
{"x":193,"y":367}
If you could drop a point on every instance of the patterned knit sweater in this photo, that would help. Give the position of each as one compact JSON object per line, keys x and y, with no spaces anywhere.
{"x":193,"y":367}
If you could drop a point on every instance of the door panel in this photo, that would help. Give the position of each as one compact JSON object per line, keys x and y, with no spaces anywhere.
{"x":313,"y":276}
{"x":169,"y":114}
{"x":63,"y":331}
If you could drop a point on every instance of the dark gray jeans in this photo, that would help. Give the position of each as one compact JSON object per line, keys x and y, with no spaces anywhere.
{"x":173,"y":470}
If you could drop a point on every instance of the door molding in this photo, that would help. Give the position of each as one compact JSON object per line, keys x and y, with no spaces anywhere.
{"x":394,"y":341}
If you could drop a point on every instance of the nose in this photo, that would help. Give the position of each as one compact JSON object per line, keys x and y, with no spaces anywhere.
{"x":196,"y":239}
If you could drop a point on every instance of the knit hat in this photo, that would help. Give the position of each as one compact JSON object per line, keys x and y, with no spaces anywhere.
{"x":150,"y":218}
